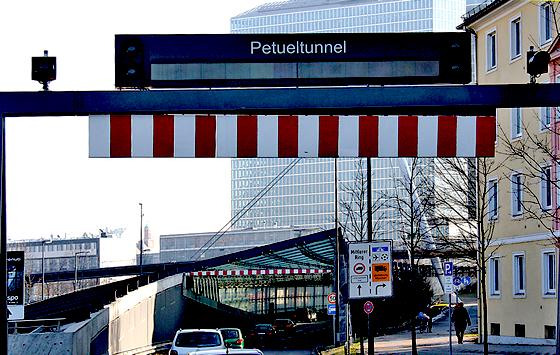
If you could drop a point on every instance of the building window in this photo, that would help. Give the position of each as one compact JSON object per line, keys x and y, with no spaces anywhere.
{"x":515,"y":38}
{"x":545,"y":114}
{"x":519,"y":274}
{"x":548,"y":272}
{"x":520,"y":330}
{"x":493,"y":199}
{"x":516,"y":195}
{"x":516,"y":122}
{"x":549,"y":332}
{"x":546,"y":19}
{"x":494,"y":328}
{"x":494,"y":276}
{"x":546,"y":188}
{"x":491,"y":55}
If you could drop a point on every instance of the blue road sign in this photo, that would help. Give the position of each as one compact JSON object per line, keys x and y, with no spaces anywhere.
{"x":448,"y":268}
{"x":466,"y":280}
{"x":331,"y":309}
{"x":456,"y":281}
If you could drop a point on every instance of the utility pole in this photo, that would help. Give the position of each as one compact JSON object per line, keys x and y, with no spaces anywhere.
{"x":371,"y":340}
{"x":141,"y":241}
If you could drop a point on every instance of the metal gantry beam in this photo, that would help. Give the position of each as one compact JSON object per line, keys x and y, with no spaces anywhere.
{"x":383,"y":100}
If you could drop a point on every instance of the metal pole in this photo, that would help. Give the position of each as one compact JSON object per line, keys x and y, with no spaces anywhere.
{"x":371,"y":340}
{"x":3,"y":239}
{"x":42,"y":270}
{"x":141,"y":241}
{"x":450,"y":340}
{"x":337,"y":256}
{"x":75,"y":271}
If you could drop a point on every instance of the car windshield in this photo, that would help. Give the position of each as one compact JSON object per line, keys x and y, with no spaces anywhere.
{"x":230,"y":333}
{"x":262,"y":328}
{"x":281,"y":322}
{"x":198,"y":340}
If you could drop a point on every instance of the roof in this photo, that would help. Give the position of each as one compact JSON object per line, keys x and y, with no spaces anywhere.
{"x":287,"y":6}
{"x":480,"y":11}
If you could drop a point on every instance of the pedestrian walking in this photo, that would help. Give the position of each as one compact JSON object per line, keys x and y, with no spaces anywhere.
{"x":460,"y":319}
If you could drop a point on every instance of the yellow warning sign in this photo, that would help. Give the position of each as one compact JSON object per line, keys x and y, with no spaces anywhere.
{"x":380,"y":272}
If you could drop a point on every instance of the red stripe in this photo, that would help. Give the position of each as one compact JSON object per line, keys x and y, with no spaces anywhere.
{"x":246,"y":136}
{"x":163,"y":136}
{"x":408,"y":136}
{"x":287,"y":136}
{"x":205,"y":136}
{"x":485,"y":136}
{"x":121,"y":137}
{"x":328,"y":136}
{"x":447,"y":136}
{"x":369,"y":127}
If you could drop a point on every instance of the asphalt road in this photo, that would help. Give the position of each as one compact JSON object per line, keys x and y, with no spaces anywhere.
{"x":287,"y":352}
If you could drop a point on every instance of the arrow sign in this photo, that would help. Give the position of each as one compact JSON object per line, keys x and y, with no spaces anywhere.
{"x":359,"y":290}
{"x":378,"y":286}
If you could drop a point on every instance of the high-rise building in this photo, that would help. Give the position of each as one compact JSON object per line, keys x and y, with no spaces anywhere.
{"x":304,"y":197}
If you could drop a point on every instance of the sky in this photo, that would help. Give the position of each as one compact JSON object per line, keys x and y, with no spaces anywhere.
{"x":53,"y":188}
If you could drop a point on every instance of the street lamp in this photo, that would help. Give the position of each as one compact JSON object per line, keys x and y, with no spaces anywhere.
{"x":43,"y":242}
{"x":76,"y":266}
{"x":141,"y":246}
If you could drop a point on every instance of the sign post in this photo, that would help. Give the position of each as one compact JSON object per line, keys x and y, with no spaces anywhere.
{"x":331,"y":311}
{"x":448,"y":288}
{"x":368,"y":308}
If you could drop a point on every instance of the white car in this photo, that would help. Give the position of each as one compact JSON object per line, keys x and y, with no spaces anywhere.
{"x":187,"y":341}
{"x":229,"y":352}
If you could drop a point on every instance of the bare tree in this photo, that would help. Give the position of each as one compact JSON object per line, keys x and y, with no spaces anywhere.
{"x":467,"y":202}
{"x":413,"y":200}
{"x":354,"y":207}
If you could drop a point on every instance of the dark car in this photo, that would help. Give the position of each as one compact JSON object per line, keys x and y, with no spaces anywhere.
{"x":261,"y":335}
{"x":283,"y":326}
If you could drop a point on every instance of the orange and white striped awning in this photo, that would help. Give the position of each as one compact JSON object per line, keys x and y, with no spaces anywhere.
{"x":256,"y":272}
{"x":252,"y":136}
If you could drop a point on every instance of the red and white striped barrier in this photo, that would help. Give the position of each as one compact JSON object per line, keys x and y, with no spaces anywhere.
{"x":266,"y":136}
{"x":258,"y":272}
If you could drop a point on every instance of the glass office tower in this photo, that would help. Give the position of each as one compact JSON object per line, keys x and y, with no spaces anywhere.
{"x":304,"y":197}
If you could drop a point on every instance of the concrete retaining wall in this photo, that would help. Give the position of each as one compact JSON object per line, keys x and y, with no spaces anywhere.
{"x":145,"y":316}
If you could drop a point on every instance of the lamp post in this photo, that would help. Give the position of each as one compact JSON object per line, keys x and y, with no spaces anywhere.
{"x":76,"y":267}
{"x":43,"y":242}
{"x":141,"y":246}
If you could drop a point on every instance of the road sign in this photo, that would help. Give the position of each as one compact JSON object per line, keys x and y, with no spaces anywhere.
{"x":448,"y":268}
{"x":331,"y":298}
{"x":296,"y":59}
{"x":331,"y":309}
{"x":466,"y":280}
{"x":370,"y":270}
{"x":457,"y":281}
{"x":368,"y":307}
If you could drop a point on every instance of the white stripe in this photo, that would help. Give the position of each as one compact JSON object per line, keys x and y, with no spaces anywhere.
{"x":348,"y":136}
{"x":99,"y":136}
{"x":308,"y":136}
{"x":142,"y":136}
{"x":427,"y":136}
{"x":267,"y":137}
{"x":466,"y":136}
{"x":388,"y":137}
{"x":226,"y":136}
{"x":184,"y":136}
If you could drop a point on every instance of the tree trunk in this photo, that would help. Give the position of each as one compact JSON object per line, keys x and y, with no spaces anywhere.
{"x":484,"y":302}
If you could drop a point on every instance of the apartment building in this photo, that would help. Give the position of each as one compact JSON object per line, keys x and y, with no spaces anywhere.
{"x":522,"y":198}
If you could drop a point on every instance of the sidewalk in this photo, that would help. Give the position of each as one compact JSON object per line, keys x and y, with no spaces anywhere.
{"x":437,"y":342}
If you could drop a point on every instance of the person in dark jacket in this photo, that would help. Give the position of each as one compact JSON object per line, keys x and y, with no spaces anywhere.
{"x":460,"y":319}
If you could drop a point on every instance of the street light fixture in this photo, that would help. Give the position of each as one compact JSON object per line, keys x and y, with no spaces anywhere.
{"x":76,"y":266}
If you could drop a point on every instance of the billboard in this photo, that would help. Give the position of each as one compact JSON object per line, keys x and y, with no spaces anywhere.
{"x":15,"y":284}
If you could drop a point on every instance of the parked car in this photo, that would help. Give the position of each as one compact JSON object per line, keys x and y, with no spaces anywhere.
{"x":283,"y":326}
{"x":228,"y":352}
{"x":188,"y":340}
{"x":233,"y":338}
{"x":262,"y":335}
